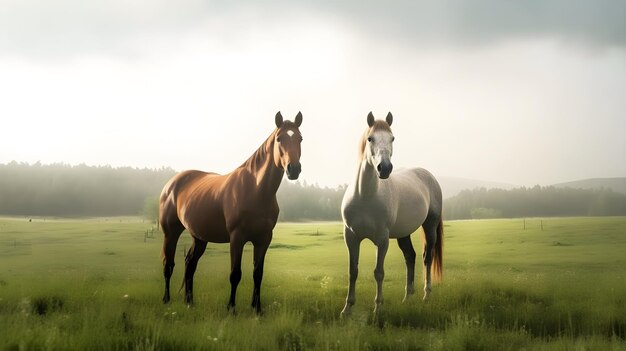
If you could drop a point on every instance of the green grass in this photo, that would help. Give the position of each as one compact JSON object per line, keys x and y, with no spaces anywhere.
{"x":97,"y":284}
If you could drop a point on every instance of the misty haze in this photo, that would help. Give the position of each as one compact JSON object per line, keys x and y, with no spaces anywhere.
{"x":514,"y":112}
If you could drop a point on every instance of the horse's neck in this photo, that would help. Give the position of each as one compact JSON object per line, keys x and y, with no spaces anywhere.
{"x":366,"y":181}
{"x":262,"y":166}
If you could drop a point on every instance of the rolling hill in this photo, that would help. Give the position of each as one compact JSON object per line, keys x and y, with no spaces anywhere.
{"x":451,"y":186}
{"x":618,"y":184}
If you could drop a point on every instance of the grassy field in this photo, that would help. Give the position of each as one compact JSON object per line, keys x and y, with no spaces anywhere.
{"x":97,"y":284}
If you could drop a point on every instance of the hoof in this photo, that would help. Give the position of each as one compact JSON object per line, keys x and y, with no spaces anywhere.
{"x":408,"y":295}
{"x":256,"y":305}
{"x":345,"y":313}
{"x":427,"y":291}
{"x":166,"y":299}
{"x":231,"y":309}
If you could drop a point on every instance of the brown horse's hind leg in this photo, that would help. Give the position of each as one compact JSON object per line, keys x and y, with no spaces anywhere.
{"x":406,"y":246}
{"x":191,"y":262}
{"x":171,"y":231}
{"x":259,"y":260}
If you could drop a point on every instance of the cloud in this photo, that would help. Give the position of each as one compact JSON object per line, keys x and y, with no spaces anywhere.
{"x":482,"y":22}
{"x":63,"y":28}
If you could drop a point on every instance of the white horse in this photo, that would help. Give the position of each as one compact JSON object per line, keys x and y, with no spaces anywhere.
{"x":379,"y":205}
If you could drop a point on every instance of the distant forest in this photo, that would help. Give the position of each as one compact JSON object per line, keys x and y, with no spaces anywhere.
{"x":534,"y":202}
{"x":77,"y":191}
{"x":69,"y":191}
{"x":300,"y":202}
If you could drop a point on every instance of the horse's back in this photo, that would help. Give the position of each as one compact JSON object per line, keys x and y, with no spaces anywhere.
{"x":192,"y":197}
{"x":181,"y":183}
{"x":417,"y":196}
{"x":434,"y":189}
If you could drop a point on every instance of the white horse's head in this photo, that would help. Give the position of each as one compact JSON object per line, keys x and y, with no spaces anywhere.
{"x":377,"y":145}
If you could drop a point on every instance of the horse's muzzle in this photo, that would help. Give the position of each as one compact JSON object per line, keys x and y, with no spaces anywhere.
{"x":384,"y":169}
{"x":293,"y":170}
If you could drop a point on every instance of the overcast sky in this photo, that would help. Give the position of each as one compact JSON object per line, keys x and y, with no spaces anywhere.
{"x":523,"y":92}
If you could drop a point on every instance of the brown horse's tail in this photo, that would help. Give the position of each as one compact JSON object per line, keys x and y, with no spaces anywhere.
{"x":438,"y":254}
{"x":162,"y":220}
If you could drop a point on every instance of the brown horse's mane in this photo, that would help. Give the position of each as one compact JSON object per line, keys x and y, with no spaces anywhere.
{"x":257,"y":160}
{"x":378,"y":125}
{"x":260,"y":156}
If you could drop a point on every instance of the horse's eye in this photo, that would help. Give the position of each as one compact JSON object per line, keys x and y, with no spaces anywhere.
{"x":278,"y":139}
{"x":370,"y":139}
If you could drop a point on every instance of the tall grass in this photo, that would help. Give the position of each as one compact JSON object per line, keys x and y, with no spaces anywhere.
{"x":96,"y":284}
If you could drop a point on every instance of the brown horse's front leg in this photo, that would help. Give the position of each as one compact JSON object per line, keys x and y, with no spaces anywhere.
{"x":236,"y":251}
{"x":259,"y":259}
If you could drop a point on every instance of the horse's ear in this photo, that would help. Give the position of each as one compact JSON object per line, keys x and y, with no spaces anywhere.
{"x":370,"y":119}
{"x":389,"y":119}
{"x":298,"y":120}
{"x":279,"y":119}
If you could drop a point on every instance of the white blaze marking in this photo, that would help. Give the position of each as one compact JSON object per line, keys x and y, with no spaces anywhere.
{"x":290,"y":133}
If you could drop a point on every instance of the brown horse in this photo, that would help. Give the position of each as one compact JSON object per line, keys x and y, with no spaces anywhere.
{"x":234,"y":208}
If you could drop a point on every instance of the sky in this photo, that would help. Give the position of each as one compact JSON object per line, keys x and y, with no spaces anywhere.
{"x":521,"y":92}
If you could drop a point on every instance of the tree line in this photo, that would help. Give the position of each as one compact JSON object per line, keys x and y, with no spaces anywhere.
{"x":69,"y":191}
{"x":301,"y":202}
{"x":536,"y":201}
{"x":73,"y":191}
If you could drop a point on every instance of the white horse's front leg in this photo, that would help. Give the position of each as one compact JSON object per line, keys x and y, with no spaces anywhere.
{"x":353,"y":244}
{"x":379,"y":271}
{"x":406,"y":246}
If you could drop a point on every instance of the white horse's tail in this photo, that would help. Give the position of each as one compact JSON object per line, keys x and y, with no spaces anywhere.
{"x":438,"y":254}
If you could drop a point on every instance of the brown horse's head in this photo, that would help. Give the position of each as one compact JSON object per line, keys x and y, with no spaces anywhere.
{"x":287,"y":145}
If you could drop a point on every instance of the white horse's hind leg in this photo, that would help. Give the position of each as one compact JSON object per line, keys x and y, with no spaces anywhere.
{"x":427,"y":284}
{"x":409,"y":258}
{"x":430,"y":233}
{"x":353,"y":244}
{"x":379,"y":271}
